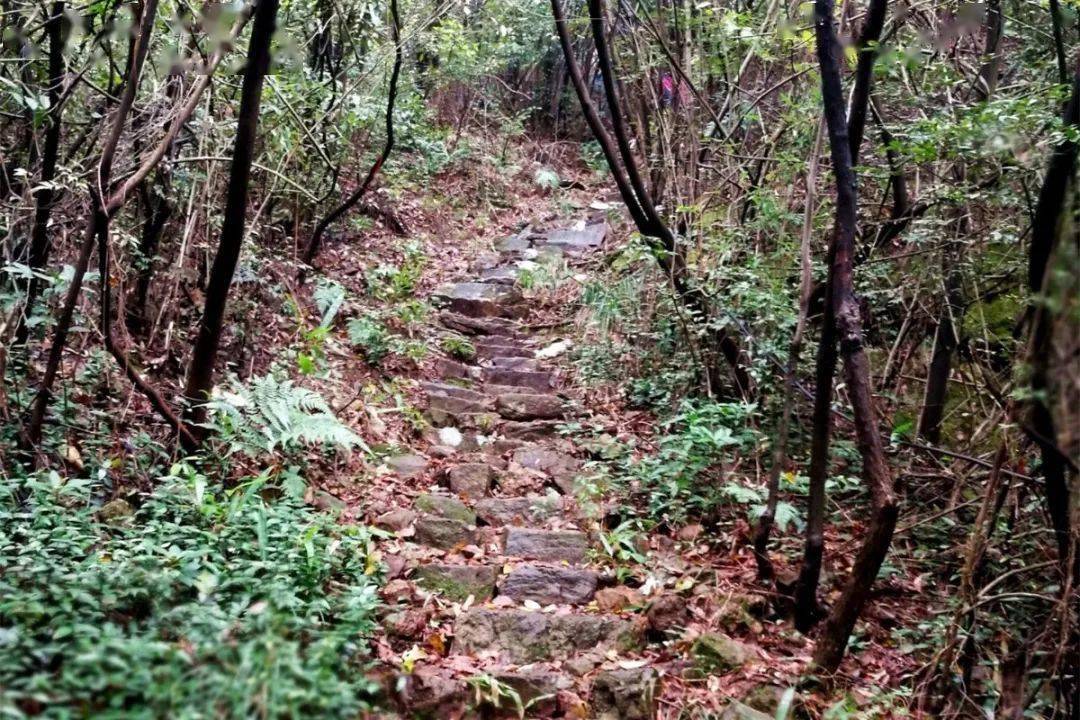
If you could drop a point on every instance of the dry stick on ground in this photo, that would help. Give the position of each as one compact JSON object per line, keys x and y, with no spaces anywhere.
{"x":623,"y":170}
{"x":834,"y":637}
{"x":312,"y":248}
{"x":31,"y":435}
{"x":779,"y":458}
{"x":200,"y":378}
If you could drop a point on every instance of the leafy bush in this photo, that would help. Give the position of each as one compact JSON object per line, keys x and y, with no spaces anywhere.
{"x":370,"y":336}
{"x":197,"y":604}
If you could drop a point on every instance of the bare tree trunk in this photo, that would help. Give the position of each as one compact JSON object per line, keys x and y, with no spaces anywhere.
{"x":200,"y":378}
{"x":45,"y":195}
{"x":878,"y":536}
{"x":140,"y":45}
{"x":312,"y":248}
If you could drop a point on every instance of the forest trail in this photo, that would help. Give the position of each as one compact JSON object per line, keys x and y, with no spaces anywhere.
{"x":499,"y":605}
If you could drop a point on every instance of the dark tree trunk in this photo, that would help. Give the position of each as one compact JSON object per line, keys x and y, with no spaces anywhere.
{"x":200,"y":378}
{"x":45,"y":196}
{"x":878,"y":535}
{"x":158,"y":212}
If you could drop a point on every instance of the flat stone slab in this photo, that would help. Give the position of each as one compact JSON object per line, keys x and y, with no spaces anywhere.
{"x":525,"y":637}
{"x":477,"y":299}
{"x":552,"y":463}
{"x":517,"y":510}
{"x":503,"y":274}
{"x":471,"y":479}
{"x":517,"y":406}
{"x":407,"y":466}
{"x":457,"y":391}
{"x":549,"y":585}
{"x":443,"y":533}
{"x":458,"y":582}
{"x":551,"y":545}
{"x":531,"y":430}
{"x":501,"y":347}
{"x":458,"y":405}
{"x":517,"y":363}
{"x":445,"y":507}
{"x":539,"y":381}
{"x":482,"y":326}
{"x":453,"y":369}
{"x":576,"y":241}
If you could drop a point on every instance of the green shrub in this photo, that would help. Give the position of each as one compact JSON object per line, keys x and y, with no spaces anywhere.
{"x":196,"y":604}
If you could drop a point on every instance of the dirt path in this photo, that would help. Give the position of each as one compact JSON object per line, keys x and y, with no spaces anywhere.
{"x":498,"y":606}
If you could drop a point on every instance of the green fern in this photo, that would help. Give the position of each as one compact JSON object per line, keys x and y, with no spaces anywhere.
{"x":269,"y":414}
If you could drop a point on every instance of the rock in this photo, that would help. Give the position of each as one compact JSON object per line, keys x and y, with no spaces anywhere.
{"x":576,"y":242}
{"x":501,"y":347}
{"x":442,"y":451}
{"x":529,"y":407}
{"x":498,"y":327}
{"x":396,"y":520}
{"x":447,"y":368}
{"x":517,"y":510}
{"x":552,"y":463}
{"x":538,"y":381}
{"x":445,"y":507}
{"x":626,"y":694}
{"x":408,"y":624}
{"x":397,"y":591}
{"x":407,"y":466}
{"x":471,"y":479}
{"x":327,"y":502}
{"x":718,"y":653}
{"x":115,"y":512}
{"x":768,"y":698}
{"x":432,"y":693}
{"x":667,"y":613}
{"x":443,"y":533}
{"x":549,"y":585}
{"x":617,"y":599}
{"x":516,"y":363}
{"x":474,"y":299}
{"x":552,"y":545}
{"x":456,"y":391}
{"x":738,"y":711}
{"x":395,"y":566}
{"x":531,"y":430}
{"x":455,"y":410}
{"x":689,"y":533}
{"x":458,"y":582}
{"x":537,"y":689}
{"x":503,"y":275}
{"x":525,"y":637}
{"x":582,"y":664}
{"x":451,"y":437}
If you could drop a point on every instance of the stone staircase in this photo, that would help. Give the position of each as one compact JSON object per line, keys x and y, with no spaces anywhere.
{"x":507,"y":489}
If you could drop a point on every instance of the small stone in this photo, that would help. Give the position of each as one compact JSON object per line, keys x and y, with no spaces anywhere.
{"x":626,"y":694}
{"x":552,"y":545}
{"x":716,"y":653}
{"x":444,"y":533}
{"x":327,"y":502}
{"x":458,"y":582}
{"x":549,"y":585}
{"x":407,"y":466}
{"x":395,"y":565}
{"x":396,"y":591}
{"x":471,"y":479}
{"x":408,"y":624}
{"x":767,"y":699}
{"x":445,"y":507}
{"x":450,"y":436}
{"x":689,"y":533}
{"x":617,"y":599}
{"x":667,"y":613}
{"x":396,"y":520}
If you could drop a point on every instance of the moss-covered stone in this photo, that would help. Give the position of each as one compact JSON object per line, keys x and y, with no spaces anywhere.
{"x":718,"y":653}
{"x":458,"y":582}
{"x":445,"y":507}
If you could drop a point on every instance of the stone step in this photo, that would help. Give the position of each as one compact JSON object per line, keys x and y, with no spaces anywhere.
{"x":458,"y":582}
{"x":476,"y":299}
{"x":505,"y":349}
{"x":445,"y":507}
{"x":529,"y":430}
{"x":501,"y":274}
{"x":443,"y":533}
{"x":480,"y":326}
{"x":519,"y":406}
{"x":556,"y":465}
{"x":517,"y":363}
{"x":575,"y":241}
{"x":524,"y":637}
{"x":453,"y":370}
{"x":549,"y":585}
{"x":457,"y":391}
{"x":551,"y":545}
{"x":472,"y":480}
{"x":518,"y":510}
{"x":540,"y":381}
{"x":458,"y":404}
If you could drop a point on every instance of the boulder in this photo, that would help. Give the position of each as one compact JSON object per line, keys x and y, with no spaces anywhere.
{"x":514,"y":406}
{"x":445,"y":507}
{"x":444,"y":533}
{"x":626,"y":694}
{"x":549,"y":585}
{"x":716,"y":653}
{"x":471,"y":479}
{"x":458,"y":582}
{"x":525,"y":637}
{"x":551,"y":545}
